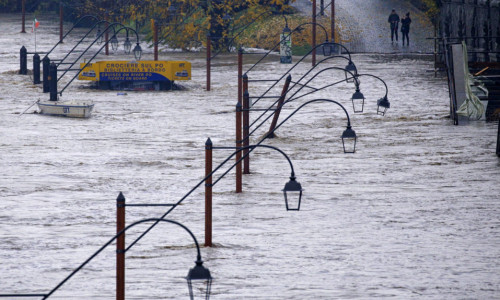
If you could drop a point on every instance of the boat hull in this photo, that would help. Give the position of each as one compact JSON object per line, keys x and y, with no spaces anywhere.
{"x":66,"y":109}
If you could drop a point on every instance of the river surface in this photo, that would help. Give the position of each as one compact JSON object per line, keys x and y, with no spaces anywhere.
{"x":413,"y":214}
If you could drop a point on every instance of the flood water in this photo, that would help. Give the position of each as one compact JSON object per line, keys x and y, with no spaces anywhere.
{"x":414,"y":213}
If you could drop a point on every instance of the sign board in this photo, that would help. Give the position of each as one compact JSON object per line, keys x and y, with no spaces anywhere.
{"x":286,"y":48}
{"x":136,"y":71}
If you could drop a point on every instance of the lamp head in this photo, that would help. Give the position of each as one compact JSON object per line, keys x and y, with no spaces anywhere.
{"x":292,"y":188}
{"x":383,"y":105}
{"x":351,"y":67}
{"x":349,"y":140}
{"x":358,"y":101}
{"x":199,"y":274}
{"x":127,"y":46}
{"x":137,"y":52}
{"x":98,"y":36}
{"x":114,"y":43}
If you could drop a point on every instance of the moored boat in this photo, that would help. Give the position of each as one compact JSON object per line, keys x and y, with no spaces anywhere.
{"x":71,"y":108}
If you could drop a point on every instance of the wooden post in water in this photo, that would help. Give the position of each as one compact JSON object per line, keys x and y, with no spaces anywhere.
{"x":23,"y":18}
{"x":246,"y":132}
{"x":270,"y":133}
{"x":208,"y":193}
{"x":120,"y":248}
{"x":209,"y":54}
{"x":238,"y":146}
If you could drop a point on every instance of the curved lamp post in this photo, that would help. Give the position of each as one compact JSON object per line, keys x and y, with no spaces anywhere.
{"x":292,"y":188}
{"x":197,"y":274}
{"x":358,"y":99}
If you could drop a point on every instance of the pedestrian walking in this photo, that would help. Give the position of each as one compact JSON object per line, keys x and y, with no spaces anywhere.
{"x":405,"y":28}
{"x":394,"y":22}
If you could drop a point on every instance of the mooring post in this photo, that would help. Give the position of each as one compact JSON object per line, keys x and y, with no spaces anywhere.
{"x":238,"y":146}
{"x":209,"y":54}
{"x":120,"y":248}
{"x":314,"y":33}
{"x":281,"y":100}
{"x":208,"y":193}
{"x":23,"y":60}
{"x":246,"y":132}
{"x":53,"y":82}
{"x":36,"y":69}
{"x":23,"y":18}
{"x":61,"y":22}
{"x":45,"y":70}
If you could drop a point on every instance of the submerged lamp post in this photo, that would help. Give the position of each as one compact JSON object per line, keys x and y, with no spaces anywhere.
{"x":292,"y":191}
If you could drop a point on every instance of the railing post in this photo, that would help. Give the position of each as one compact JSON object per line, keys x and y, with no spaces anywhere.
{"x":270,"y":133}
{"x":53,"y":82}
{"x":314,"y":33}
{"x":238,"y":146}
{"x":60,"y":22}
{"x":208,"y":193}
{"x":23,"y":61}
{"x":120,"y":248}
{"x":45,"y":70}
{"x":209,"y":54}
{"x":36,"y":69}
{"x":23,"y":18}
{"x":246,"y":132}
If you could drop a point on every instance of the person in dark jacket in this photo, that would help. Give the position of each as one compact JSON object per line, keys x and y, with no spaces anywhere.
{"x":405,"y":28}
{"x":394,"y":21}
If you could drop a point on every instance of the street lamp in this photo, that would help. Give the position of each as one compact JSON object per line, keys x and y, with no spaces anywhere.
{"x":199,"y":274}
{"x":383,"y":103}
{"x":358,"y":99}
{"x":114,"y":42}
{"x":292,"y":189}
{"x":127,"y":45}
{"x":350,"y":68}
{"x":137,"y":51}
{"x":349,"y":140}
{"x":98,"y":35}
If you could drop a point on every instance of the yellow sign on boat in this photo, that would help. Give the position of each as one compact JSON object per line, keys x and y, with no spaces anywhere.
{"x":136,"y":71}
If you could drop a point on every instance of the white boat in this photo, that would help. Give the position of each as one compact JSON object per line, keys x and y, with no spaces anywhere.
{"x":71,"y":108}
